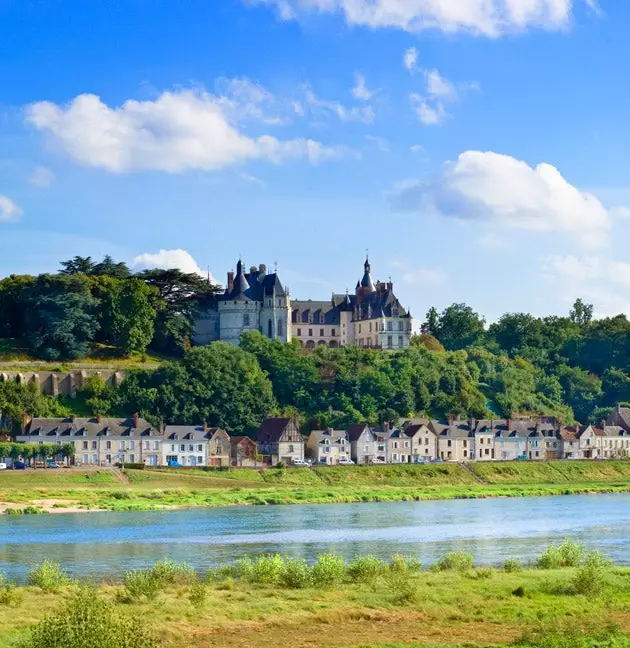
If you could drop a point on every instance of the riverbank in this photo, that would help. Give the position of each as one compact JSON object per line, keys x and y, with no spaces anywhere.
{"x":364,"y":604}
{"x":83,"y":490}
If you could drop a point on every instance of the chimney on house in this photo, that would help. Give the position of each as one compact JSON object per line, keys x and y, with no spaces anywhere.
{"x":162,"y":427}
{"x":99,"y":419}
{"x":509,"y":424}
{"x":73,"y":418}
{"x":450,"y":418}
{"x":603,"y":423}
{"x":230,"y":281}
{"x":205,"y":426}
{"x":26,"y":419}
{"x":136,"y":419}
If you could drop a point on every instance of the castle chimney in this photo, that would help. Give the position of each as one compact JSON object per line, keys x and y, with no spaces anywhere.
{"x":136,"y":419}
{"x":603,"y":423}
{"x":230,"y":281}
{"x":263,"y":268}
{"x":252,"y":269}
{"x":390,"y":286}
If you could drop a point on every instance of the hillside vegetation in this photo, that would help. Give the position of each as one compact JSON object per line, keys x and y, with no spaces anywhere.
{"x":573,"y":367}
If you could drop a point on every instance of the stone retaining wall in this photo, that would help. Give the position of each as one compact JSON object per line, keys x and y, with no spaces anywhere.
{"x":62,"y":383}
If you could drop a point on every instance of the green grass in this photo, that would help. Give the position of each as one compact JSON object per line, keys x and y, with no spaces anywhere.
{"x":169,"y":488}
{"x":242,"y":609}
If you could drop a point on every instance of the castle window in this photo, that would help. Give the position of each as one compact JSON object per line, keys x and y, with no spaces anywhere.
{"x":400,"y":326}
{"x":299,"y":332}
{"x":400,"y":341}
{"x":389,"y":326}
{"x":269,"y":329}
{"x":332,"y":333}
{"x":310,"y":332}
{"x":321,"y":332}
{"x":390,"y":342}
{"x":279,"y":328}
{"x":246,"y":321}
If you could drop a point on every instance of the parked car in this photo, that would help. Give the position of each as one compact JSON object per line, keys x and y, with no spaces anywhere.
{"x":174,"y":464}
{"x":52,"y":464}
{"x":378,"y":461}
{"x":346,"y":462}
{"x":300,"y":463}
{"x":3,"y":466}
{"x":19,"y":465}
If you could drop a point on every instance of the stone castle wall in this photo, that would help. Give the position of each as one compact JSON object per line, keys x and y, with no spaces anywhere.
{"x":62,"y":383}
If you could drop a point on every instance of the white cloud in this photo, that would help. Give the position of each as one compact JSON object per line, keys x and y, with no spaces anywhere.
{"x":42,"y":177}
{"x":504,"y":191}
{"x":180,"y":130}
{"x":492,"y":241}
{"x":431,"y":107}
{"x":324,"y":108}
{"x":410,"y":59}
{"x":416,"y":148}
{"x":241,"y":98}
{"x":168,"y":260}
{"x":360,"y":90}
{"x":430,"y":114}
{"x":9,"y":211}
{"x":604,"y":282}
{"x":489,"y":18}
{"x":253,"y":180}
{"x":622,"y":213}
{"x":419,"y":276}
{"x":381,"y":143}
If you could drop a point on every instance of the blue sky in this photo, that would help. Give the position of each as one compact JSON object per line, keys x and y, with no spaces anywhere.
{"x":478,"y":149}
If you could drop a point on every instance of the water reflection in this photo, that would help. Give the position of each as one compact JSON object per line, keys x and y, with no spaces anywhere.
{"x":101,"y":544}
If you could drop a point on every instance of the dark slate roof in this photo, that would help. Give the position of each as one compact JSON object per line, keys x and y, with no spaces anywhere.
{"x":366,"y":282}
{"x":313,"y":312}
{"x":355,"y":431}
{"x":412,"y":430}
{"x":89,"y":427}
{"x":252,"y":286}
{"x":272,"y":429}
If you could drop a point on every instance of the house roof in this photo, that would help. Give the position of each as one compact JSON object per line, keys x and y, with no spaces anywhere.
{"x":355,"y":431}
{"x":89,"y":427}
{"x":332,"y":436}
{"x":272,"y":429}
{"x":236,"y":440}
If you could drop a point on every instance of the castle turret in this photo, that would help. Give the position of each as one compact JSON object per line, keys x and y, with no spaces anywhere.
{"x":366,"y":283}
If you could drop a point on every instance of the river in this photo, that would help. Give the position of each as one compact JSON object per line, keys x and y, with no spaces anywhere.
{"x":102,"y":544}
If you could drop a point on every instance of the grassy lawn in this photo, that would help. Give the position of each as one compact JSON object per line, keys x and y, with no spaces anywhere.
{"x":166,"y":488}
{"x":478,"y":607}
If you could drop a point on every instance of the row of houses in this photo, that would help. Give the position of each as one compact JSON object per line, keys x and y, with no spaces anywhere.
{"x":107,"y":441}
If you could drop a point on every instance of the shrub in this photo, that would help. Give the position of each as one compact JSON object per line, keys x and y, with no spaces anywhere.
{"x":140,"y":583}
{"x":281,"y":465}
{"x":120,"y":495}
{"x":221,"y":572}
{"x":401,"y":583}
{"x":198,"y":594}
{"x":589,"y":579}
{"x":169,"y":572}
{"x":519,"y":591}
{"x":10,"y":595}
{"x":402,"y":563}
{"x":568,"y":554}
{"x":454,"y":561}
{"x":88,"y":622}
{"x":15,"y":511}
{"x":328,"y":570}
{"x":49,"y":576}
{"x":364,"y":569}
{"x":483,"y":573}
{"x":295,"y":574}
{"x":244,"y":568}
{"x":267,"y":570}
{"x":511,"y":566}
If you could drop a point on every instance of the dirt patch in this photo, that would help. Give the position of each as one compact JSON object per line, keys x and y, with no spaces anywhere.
{"x":46,"y":505}
{"x":355,"y":629}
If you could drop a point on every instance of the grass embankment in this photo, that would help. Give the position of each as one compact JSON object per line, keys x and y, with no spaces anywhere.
{"x":160,"y":488}
{"x":364,"y":604}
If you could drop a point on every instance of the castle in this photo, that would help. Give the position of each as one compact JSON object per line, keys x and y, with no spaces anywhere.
{"x":256,"y":301}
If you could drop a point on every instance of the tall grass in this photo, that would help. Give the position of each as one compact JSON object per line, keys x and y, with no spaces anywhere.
{"x":567,"y":554}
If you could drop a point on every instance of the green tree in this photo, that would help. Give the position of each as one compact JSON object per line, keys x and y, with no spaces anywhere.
{"x":459,"y":327}
{"x":77,"y":265}
{"x":431,"y":325}
{"x":581,"y":313}
{"x":110,"y":268}
{"x":13,"y":305}
{"x":134,"y":315}
{"x":220,"y":384}
{"x":61,"y":319}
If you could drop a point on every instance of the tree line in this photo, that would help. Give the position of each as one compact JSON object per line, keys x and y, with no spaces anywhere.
{"x":63,"y":316}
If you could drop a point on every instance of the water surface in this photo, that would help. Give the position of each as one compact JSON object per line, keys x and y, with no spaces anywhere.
{"x":102,"y":544}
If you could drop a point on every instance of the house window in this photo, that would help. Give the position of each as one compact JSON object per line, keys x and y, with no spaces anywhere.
{"x":85,"y":459}
{"x":147,"y":445}
{"x":359,"y":328}
{"x":85,"y":446}
{"x":246,"y":319}
{"x":108,"y":445}
{"x":291,"y":448}
{"x":449,"y":443}
{"x":200,"y":448}
{"x":95,"y":459}
{"x":156,"y":445}
{"x":191,"y":447}
{"x":370,"y":327}
{"x":132,"y":445}
{"x":465,"y":443}
{"x":132,"y":458}
{"x":199,"y":461}
{"x":406,"y":444}
{"x":94,"y":445}
{"x":108,"y":459}
{"x":465,"y":453}
{"x":299,"y":332}
{"x":182,"y":447}
{"x":396,"y":445}
{"x":487,"y":451}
